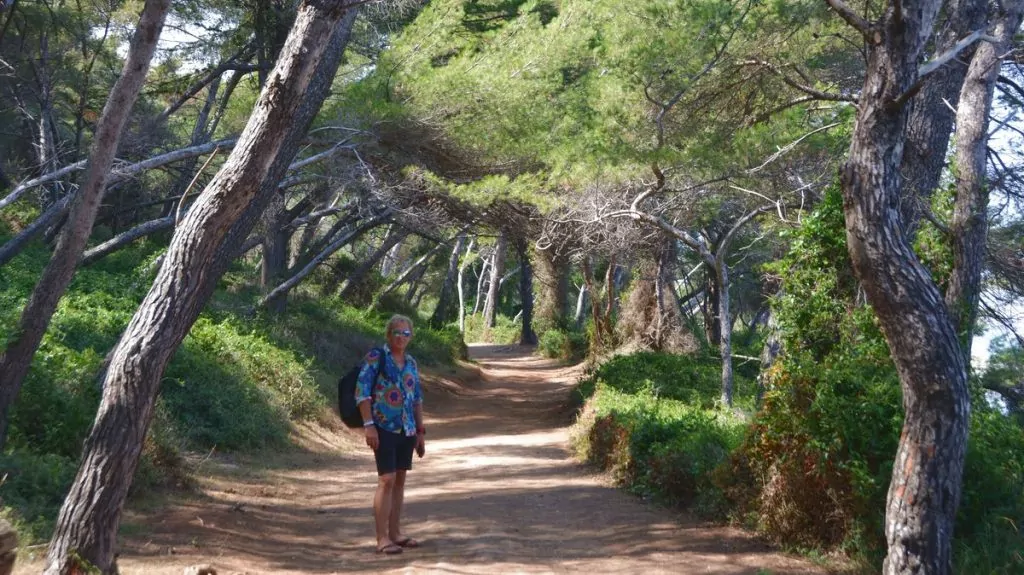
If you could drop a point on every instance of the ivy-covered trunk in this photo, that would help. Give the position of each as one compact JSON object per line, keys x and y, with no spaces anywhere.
{"x":925,"y":489}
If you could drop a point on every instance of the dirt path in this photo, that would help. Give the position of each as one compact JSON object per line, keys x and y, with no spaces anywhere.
{"x":497,"y":493}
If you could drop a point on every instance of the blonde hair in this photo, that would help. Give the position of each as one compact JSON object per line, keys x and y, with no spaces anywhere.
{"x":397,"y":319}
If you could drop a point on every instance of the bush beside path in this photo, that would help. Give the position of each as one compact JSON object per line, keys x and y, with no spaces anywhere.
{"x":498,"y":492}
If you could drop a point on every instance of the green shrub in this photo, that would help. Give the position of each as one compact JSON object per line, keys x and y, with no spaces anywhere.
{"x":563,"y":344}
{"x":657,"y":433}
{"x":505,"y":332}
{"x":32,"y":488}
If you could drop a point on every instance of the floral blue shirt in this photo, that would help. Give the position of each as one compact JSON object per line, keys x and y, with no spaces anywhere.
{"x":394,"y":394}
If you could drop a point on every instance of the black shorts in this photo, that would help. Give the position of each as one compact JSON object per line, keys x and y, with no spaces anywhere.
{"x":394,"y":452}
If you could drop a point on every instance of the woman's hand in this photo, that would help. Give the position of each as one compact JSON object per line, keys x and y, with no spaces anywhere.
{"x":421,"y":444}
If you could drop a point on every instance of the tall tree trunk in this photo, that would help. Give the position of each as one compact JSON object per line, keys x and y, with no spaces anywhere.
{"x":969,"y":225}
{"x":275,"y":251}
{"x":721,"y":270}
{"x":930,"y":118}
{"x":526,"y":335}
{"x":769,"y":353}
{"x":414,"y":282}
{"x":481,"y":282}
{"x":711,"y":309}
{"x":16,"y":359}
{"x":390,"y":261}
{"x":581,"y":302}
{"x":595,"y":303}
{"x":493,"y":291}
{"x":462,"y":295}
{"x":356,"y":277}
{"x":88,"y":521}
{"x":553,"y":281}
{"x":445,"y":310}
{"x":926,"y":481}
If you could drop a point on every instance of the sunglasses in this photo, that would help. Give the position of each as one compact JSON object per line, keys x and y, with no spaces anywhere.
{"x":402,"y":332}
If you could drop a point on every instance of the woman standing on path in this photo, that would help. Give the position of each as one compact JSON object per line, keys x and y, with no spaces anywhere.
{"x":390,"y":400}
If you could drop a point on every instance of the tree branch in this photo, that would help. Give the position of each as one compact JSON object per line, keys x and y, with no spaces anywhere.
{"x":813,"y":92}
{"x":852,"y":18}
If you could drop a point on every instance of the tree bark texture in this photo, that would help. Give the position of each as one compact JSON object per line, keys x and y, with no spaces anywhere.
{"x":445,"y":301}
{"x":930,"y":117}
{"x":8,"y":547}
{"x":553,"y":281}
{"x":526,"y":335}
{"x":725,"y":328}
{"x":88,"y":520}
{"x":969,"y":226}
{"x":925,"y":488}
{"x":16,"y":359}
{"x":275,"y":249}
{"x":493,"y":291}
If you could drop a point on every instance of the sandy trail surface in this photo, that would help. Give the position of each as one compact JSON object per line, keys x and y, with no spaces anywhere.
{"x":498,"y":492}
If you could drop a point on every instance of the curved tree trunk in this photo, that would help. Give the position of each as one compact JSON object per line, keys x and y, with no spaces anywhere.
{"x":925,"y":488}
{"x":969,"y":225}
{"x":88,"y":521}
{"x":16,"y":359}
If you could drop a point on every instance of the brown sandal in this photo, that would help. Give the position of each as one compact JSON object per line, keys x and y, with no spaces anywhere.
{"x":407,"y":542}
{"x":390,"y":549}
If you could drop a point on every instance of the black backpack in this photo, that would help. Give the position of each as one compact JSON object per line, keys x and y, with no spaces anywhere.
{"x":347,"y":407}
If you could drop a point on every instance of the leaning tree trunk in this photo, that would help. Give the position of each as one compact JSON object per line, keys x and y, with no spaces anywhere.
{"x":931,"y":114}
{"x":445,"y":310}
{"x":16,"y":359}
{"x":969,"y":225}
{"x":526,"y":335}
{"x":497,"y":269}
{"x":87,"y":525}
{"x":925,"y":488}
